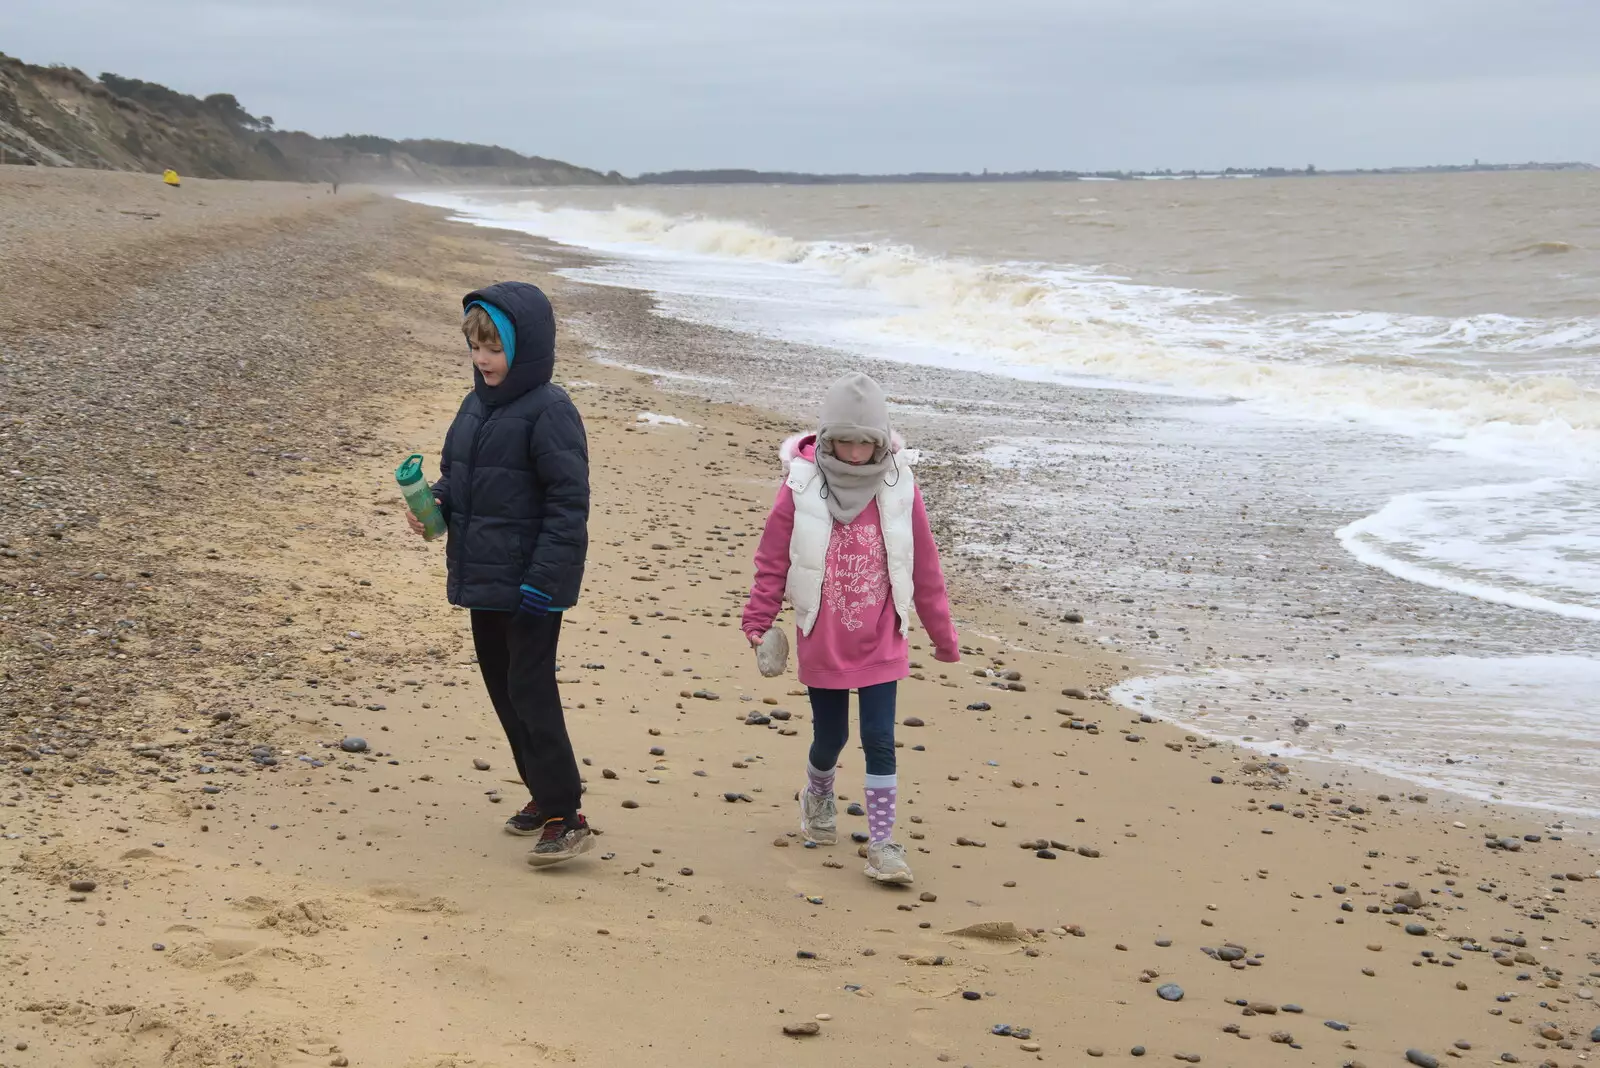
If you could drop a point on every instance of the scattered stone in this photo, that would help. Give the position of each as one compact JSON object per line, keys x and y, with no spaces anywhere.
{"x":82,"y":886}
{"x":911,"y":721}
{"x":971,"y":995}
{"x":1416,"y":929}
{"x":1282,"y":1038}
{"x":607,"y":773}
{"x":656,"y":750}
{"x":1137,"y":1051}
{"x":480,"y":763}
{"x":928,"y":897}
{"x":630,"y":804}
{"x":1421,"y":1059}
{"x":354,"y":745}
{"x":1170,"y":992}
{"x":994,"y":930}
{"x":801,"y":1030}
{"x":685,"y":871}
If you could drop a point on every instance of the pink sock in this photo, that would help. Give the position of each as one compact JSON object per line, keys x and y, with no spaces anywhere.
{"x":880,"y":809}
{"x":819,"y":782}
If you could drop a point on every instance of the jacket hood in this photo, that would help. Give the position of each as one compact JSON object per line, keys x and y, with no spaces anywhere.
{"x":534,"y":344}
{"x":804,"y":447}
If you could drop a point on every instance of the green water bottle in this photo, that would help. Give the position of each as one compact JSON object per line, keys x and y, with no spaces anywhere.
{"x":419,"y":497}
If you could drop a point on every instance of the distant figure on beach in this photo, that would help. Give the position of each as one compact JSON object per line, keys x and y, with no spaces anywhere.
{"x":514,"y":489}
{"x":848,"y":542}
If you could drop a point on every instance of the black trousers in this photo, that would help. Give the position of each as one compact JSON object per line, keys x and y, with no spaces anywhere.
{"x":517,"y":656}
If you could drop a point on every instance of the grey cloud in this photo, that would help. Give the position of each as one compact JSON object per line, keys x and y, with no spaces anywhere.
{"x":884,"y":85}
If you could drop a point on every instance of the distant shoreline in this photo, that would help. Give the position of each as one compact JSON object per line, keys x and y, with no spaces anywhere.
{"x":751,"y":177}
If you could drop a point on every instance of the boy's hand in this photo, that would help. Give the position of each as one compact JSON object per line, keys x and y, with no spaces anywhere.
{"x":535,"y":603}
{"x":416,"y":524}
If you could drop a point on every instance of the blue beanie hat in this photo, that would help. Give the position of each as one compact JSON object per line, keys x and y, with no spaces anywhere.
{"x":502,"y":325}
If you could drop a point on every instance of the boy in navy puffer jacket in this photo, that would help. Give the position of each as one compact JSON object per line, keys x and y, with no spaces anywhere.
{"x":514,"y":489}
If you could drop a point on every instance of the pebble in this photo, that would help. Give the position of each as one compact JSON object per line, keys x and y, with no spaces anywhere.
{"x":800,"y":1030}
{"x":1416,"y":929}
{"x":1335,"y":1025}
{"x":481,"y":764}
{"x":82,"y":886}
{"x":607,"y":773}
{"x":656,"y":750}
{"x":1170,"y":992}
{"x":630,"y":804}
{"x":1421,"y":1059}
{"x":341,"y":1061}
{"x":1045,"y":854}
{"x":685,"y":871}
{"x":354,"y":745}
{"x":971,"y":995}
{"x":824,"y":1016}
{"x":978,"y":706}
{"x":855,"y":810}
{"x":911,"y":721}
{"x":928,"y":896}
{"x":1137,"y":1051}
{"x":1216,"y":780}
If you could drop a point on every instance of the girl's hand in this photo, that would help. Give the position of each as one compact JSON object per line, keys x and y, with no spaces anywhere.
{"x":754,"y":640}
{"x":947,"y":656}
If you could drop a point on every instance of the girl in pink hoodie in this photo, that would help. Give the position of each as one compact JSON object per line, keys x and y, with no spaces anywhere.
{"x":848,"y":543}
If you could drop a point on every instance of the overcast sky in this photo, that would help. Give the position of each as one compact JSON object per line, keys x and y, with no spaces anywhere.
{"x":878,"y":85}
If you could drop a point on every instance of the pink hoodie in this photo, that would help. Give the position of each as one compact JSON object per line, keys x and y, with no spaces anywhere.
{"x":856,"y":641}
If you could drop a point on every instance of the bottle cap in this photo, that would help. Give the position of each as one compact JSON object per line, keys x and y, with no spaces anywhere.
{"x":409,"y":472}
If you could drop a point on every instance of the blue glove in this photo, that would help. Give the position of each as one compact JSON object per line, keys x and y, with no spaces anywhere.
{"x":535,"y":602}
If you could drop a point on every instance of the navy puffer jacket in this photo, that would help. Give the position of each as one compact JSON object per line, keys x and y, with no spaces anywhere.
{"x":514,"y":474}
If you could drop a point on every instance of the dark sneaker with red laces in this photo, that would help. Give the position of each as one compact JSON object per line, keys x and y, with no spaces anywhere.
{"x":528,"y":822}
{"x":562,"y":839}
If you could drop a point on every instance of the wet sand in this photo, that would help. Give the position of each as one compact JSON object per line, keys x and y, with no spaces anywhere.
{"x":207,"y":586}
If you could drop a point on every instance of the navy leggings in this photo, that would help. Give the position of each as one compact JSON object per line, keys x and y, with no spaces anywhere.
{"x":830,"y":726}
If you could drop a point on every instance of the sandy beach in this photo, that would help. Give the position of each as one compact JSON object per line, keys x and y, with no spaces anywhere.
{"x":206,"y":587}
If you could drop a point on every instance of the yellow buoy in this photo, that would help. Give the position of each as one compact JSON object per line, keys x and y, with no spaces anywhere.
{"x":170,"y":177}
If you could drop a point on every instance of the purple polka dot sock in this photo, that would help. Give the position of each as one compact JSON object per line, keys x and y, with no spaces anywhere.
{"x":880,"y":810}
{"x":819,"y":782}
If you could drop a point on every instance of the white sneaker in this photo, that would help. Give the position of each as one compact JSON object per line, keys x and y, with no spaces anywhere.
{"x":886,"y":863}
{"x":818,"y":817}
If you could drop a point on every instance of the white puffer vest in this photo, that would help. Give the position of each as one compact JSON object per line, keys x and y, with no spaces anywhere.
{"x":813,"y":528}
